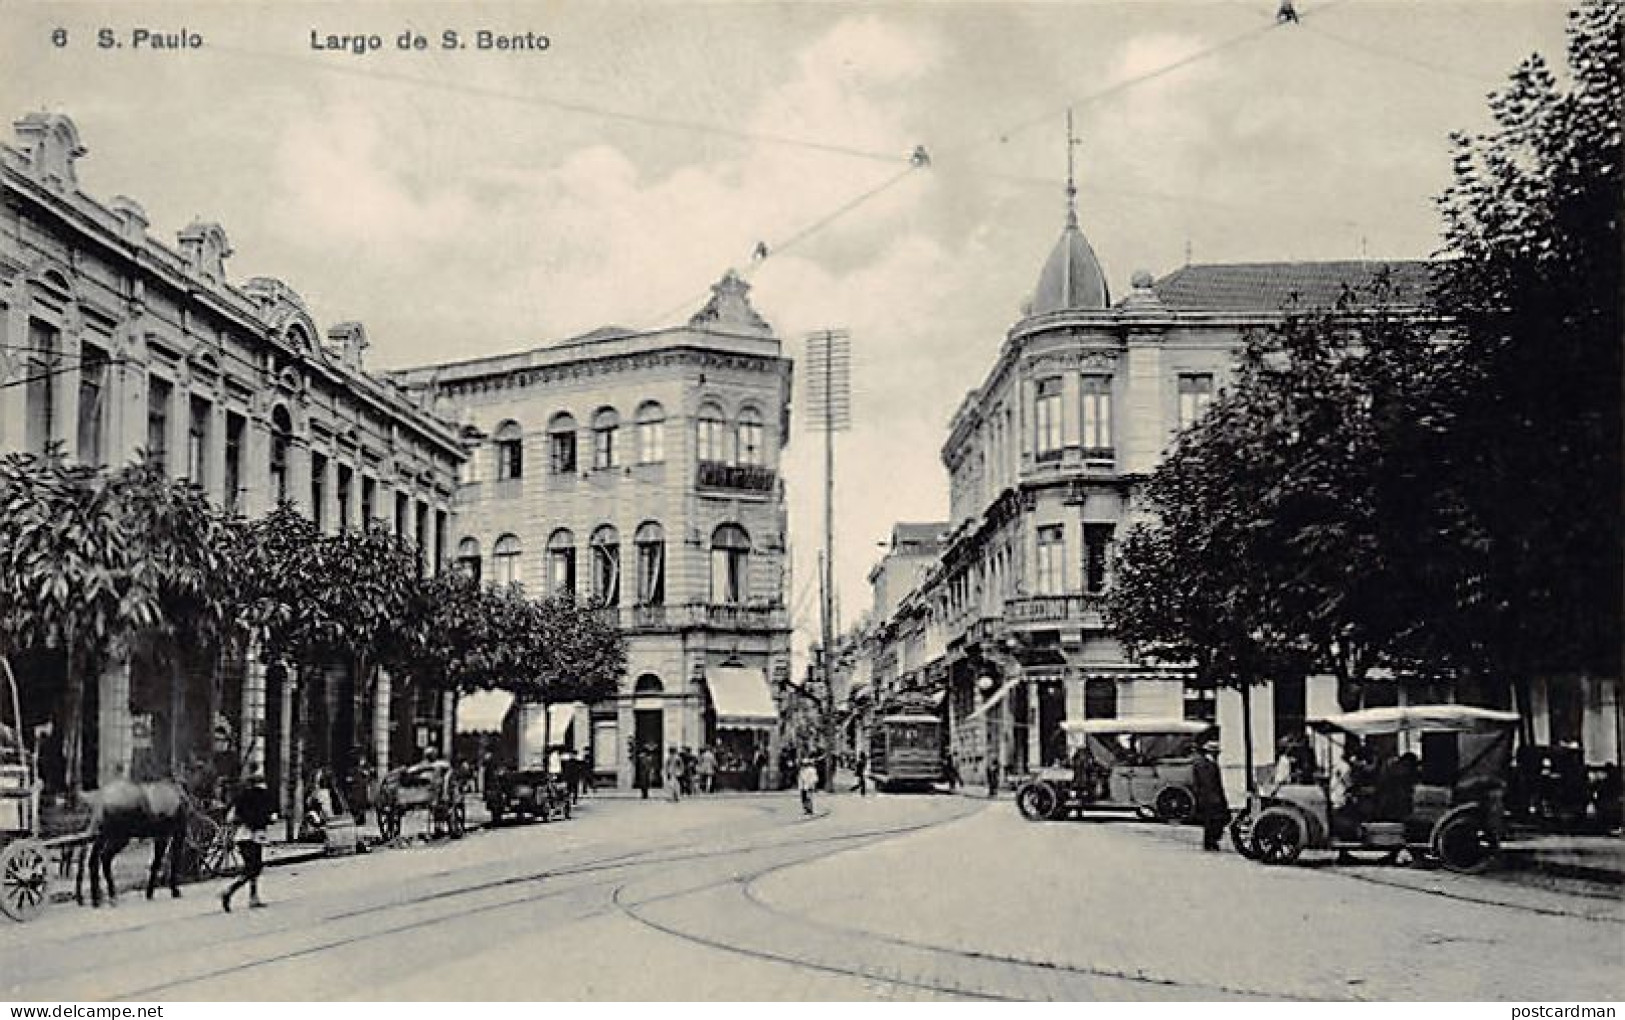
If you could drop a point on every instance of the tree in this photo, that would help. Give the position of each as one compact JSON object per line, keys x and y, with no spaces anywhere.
{"x":1532,"y":440}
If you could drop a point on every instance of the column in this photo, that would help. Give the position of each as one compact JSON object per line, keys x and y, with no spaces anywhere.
{"x":251,"y":726}
{"x":381,"y":702}
{"x":112,"y":720}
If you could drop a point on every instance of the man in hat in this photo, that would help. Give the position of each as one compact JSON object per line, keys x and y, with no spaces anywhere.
{"x":1212,"y":809}
{"x":251,"y":809}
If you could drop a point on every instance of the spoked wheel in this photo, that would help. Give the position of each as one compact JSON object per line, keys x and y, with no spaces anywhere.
{"x":1464,"y":841}
{"x":389,"y":824}
{"x":457,"y":820}
{"x":565,"y":800}
{"x":1278,"y":836}
{"x":24,"y":880}
{"x":1175,"y":804}
{"x":1241,"y":835}
{"x":1037,"y":802}
{"x":202,"y":833}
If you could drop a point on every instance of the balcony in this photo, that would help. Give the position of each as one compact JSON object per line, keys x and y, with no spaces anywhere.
{"x":736,"y":477}
{"x":697,"y":615}
{"x":1053,"y":611}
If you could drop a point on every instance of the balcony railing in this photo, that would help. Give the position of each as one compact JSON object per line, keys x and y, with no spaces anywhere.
{"x":694,"y":615}
{"x":1084,"y":610}
{"x":736,"y":477}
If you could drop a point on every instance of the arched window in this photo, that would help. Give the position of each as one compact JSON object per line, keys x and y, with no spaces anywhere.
{"x":281,"y":442}
{"x":561,"y":444}
{"x":561,"y":562}
{"x":1100,"y":698}
{"x":648,"y":683}
{"x":605,"y":445}
{"x":713,"y":428}
{"x":505,"y":561}
{"x":606,"y":566}
{"x":468,"y":558}
{"x":510,"y":446}
{"x":730,"y":558}
{"x":651,"y":543}
{"x":750,"y":438}
{"x":651,"y":433}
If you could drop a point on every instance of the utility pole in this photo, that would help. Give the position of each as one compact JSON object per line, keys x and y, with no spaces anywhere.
{"x":829,"y":410}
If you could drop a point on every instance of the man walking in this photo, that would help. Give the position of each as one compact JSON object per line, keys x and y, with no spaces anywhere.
{"x":251,"y":809}
{"x":674,"y":775}
{"x":807,"y":781}
{"x":860,"y":768}
{"x":645,"y":769}
{"x":708,"y":770}
{"x":1212,"y":809}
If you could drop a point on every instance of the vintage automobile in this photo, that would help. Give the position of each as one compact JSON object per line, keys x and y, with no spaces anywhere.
{"x":526,"y":793}
{"x":1139,"y":765}
{"x":1449,"y":810}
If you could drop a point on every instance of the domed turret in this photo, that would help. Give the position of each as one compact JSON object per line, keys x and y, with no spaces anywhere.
{"x":1072,"y":280}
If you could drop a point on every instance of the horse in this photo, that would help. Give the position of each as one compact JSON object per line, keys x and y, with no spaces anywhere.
{"x":124,"y":810}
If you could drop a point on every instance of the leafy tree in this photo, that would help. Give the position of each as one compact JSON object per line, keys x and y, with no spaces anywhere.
{"x":1532,"y":439}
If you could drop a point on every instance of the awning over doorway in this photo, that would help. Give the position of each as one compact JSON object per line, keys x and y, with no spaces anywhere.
{"x":559,"y":718}
{"x":741,"y":696}
{"x":987,"y":706}
{"x":483,"y":711}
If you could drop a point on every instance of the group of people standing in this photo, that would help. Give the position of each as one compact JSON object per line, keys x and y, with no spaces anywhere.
{"x":685,"y":772}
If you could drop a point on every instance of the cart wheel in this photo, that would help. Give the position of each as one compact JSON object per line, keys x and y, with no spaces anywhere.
{"x":1464,"y":841}
{"x":24,"y":880}
{"x":1036,"y":802}
{"x":389,"y":824}
{"x":1175,"y":804}
{"x":1278,"y":836}
{"x":221,"y":858}
{"x":457,"y":821}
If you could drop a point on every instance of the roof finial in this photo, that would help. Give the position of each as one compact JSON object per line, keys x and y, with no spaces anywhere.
{"x":1071,"y":184}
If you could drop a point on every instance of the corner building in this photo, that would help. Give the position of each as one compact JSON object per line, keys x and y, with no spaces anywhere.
{"x":115,"y":344}
{"x":641,"y":471}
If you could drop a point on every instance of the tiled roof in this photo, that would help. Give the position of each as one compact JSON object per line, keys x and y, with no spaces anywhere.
{"x":1269,"y":286}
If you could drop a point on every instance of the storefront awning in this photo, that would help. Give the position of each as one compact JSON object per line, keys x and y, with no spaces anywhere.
{"x":741,"y":696}
{"x":987,"y":705}
{"x":559,"y":718}
{"x":483,"y":711}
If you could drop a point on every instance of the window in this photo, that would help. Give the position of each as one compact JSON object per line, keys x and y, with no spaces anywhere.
{"x":504,"y":560}
{"x":346,"y":486}
{"x":44,"y":366}
{"x":561,"y":444}
{"x":92,"y":385}
{"x":651,"y":544}
{"x":1097,"y":550}
{"x":1201,"y":702}
{"x":1047,"y":418}
{"x":730,"y":556}
{"x":605,"y":453}
{"x":281,"y":441}
{"x":712,"y":428}
{"x":403,"y":507}
{"x":197,"y":441}
{"x":1100,"y":698}
{"x":369,"y":500}
{"x":750,"y":438}
{"x":510,"y":449}
{"x":651,"y":433}
{"x":1195,"y":393}
{"x":158,"y":393}
{"x":1097,"y":415}
{"x":440,"y":518}
{"x":233,"y":494}
{"x":606,"y":566}
{"x":1051,"y":559}
{"x":561,"y":562}
{"x":318,"y":490}
{"x":468,"y":558}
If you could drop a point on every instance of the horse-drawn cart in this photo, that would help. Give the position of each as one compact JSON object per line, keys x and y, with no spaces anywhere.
{"x":24,"y":872}
{"x":432,"y":787}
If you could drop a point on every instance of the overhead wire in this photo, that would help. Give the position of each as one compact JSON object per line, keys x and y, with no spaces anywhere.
{"x":1403,"y":58}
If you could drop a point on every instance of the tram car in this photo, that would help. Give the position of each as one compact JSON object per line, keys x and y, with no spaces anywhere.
{"x":905,"y":744}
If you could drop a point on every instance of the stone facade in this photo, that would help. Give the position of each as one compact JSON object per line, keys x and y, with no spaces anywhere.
{"x":116,"y":344}
{"x":642,"y":471}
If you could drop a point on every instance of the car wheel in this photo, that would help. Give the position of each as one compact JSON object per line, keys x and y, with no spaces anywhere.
{"x":1241,"y":835}
{"x":1036,"y":802}
{"x":1175,"y":804}
{"x":1463,"y":840}
{"x":1278,"y":836}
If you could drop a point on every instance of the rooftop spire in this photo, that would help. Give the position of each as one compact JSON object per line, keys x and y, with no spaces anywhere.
{"x":1071,"y":184}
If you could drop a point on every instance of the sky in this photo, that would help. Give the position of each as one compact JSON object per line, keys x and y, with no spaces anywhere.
{"x":468,"y":202}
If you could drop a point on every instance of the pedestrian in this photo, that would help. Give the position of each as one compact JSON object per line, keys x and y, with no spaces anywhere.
{"x":708,"y":770}
{"x":758,"y":767}
{"x":645,"y":767}
{"x":860,"y":768}
{"x":992,"y":770}
{"x":251,"y":810}
{"x":674,"y":775}
{"x":690,"y":766}
{"x":950,"y":771}
{"x":807,"y":781}
{"x":361,"y":791}
{"x":1212,"y":809}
